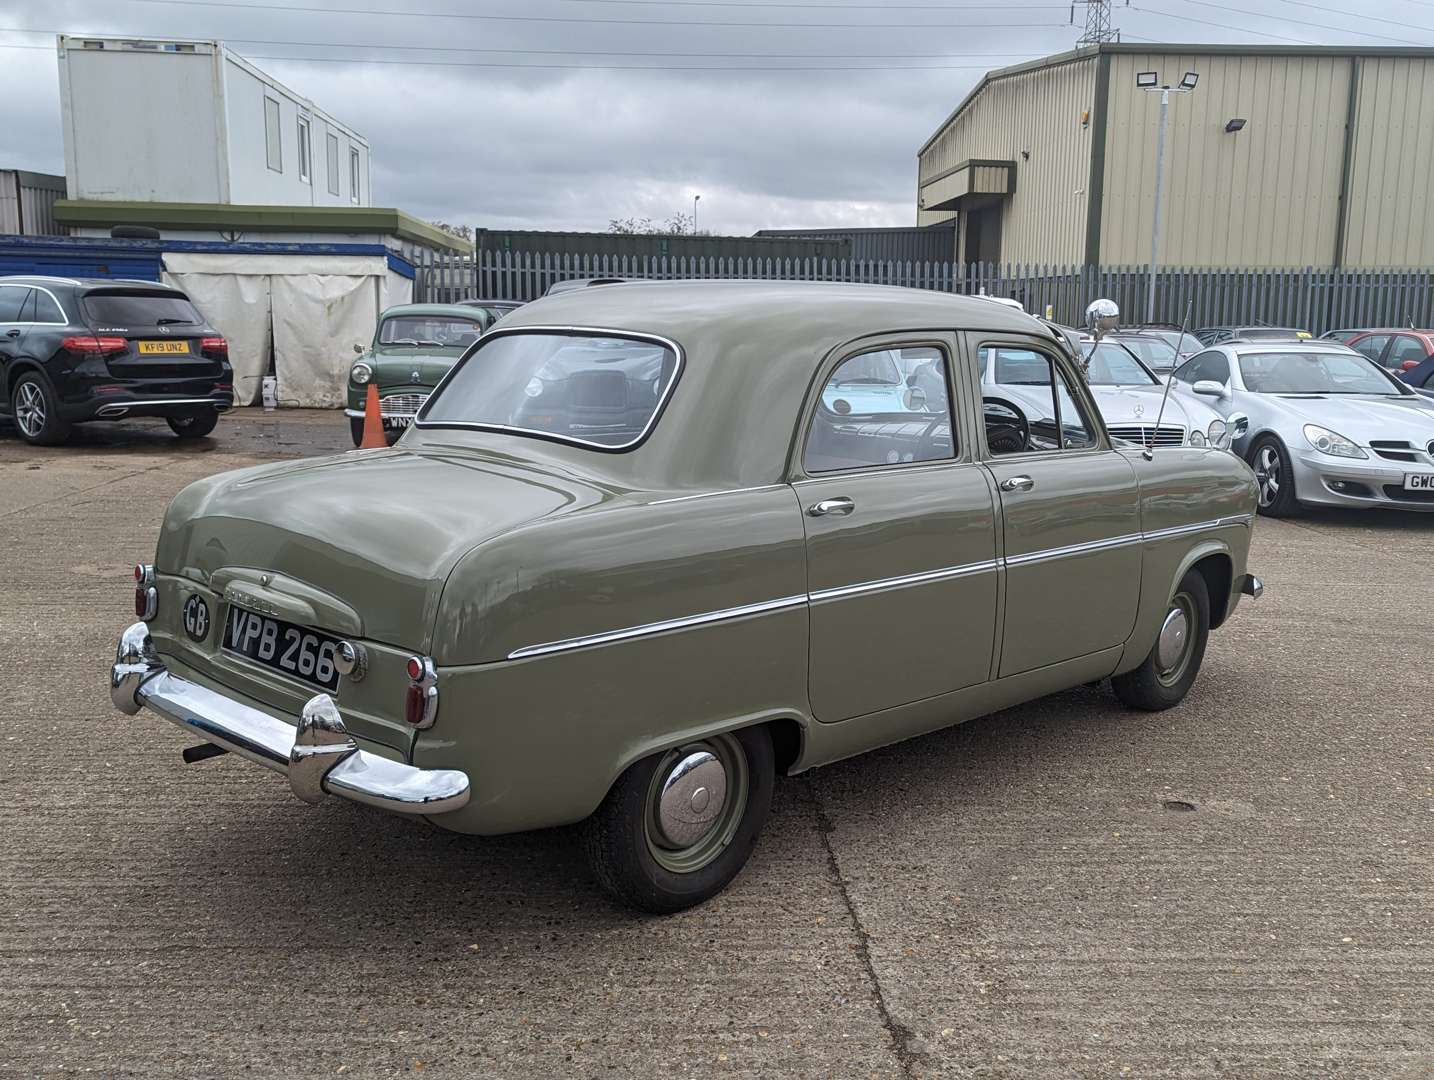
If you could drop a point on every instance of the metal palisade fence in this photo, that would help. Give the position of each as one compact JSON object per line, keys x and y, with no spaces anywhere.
{"x":1310,"y":298}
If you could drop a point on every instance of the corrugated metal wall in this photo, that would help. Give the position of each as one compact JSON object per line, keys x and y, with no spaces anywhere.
{"x":1391,"y":176}
{"x":1265,"y":196}
{"x":926,"y":245}
{"x":27,"y":202}
{"x":1040,"y":112}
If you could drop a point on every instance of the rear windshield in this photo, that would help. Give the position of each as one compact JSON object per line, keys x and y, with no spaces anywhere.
{"x":123,"y":310}
{"x":581,"y":388}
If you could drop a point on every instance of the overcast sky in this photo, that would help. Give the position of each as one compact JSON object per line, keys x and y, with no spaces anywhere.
{"x":530,"y":113}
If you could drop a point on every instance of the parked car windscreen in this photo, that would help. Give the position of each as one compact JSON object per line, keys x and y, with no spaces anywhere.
{"x":1111,"y":365}
{"x":442,"y":330}
{"x":582,"y":388}
{"x":125,"y":309}
{"x":1315,"y":373}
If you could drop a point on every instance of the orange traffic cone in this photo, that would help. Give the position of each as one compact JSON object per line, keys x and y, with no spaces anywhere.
{"x":373,"y":436}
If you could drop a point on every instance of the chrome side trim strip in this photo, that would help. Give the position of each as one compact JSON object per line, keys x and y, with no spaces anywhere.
{"x":1074,"y":549}
{"x":882,"y":584}
{"x":662,"y":627}
{"x":714,"y":494}
{"x":861,"y":588}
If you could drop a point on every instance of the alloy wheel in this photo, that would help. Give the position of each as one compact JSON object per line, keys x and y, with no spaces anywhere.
{"x":1267,"y":474}
{"x":30,"y":409}
{"x":695,"y":803}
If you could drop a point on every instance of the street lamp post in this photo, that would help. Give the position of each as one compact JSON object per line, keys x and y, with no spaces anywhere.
{"x":1150,"y":81}
{"x":695,"y":200}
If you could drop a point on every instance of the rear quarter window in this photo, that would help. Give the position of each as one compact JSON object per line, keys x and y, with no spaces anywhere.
{"x":125,"y":309}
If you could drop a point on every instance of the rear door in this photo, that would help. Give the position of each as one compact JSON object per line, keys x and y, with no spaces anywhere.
{"x":13,"y":299}
{"x":1069,"y":510}
{"x":900,"y":532}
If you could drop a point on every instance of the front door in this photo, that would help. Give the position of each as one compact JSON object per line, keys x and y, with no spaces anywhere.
{"x":900,"y":533}
{"x":1069,"y":509}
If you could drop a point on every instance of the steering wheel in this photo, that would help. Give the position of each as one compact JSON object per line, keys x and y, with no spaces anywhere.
{"x":1005,"y":434}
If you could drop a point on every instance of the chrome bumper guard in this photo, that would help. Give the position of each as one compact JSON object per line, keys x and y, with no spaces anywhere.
{"x":318,"y":756}
{"x":1252,"y":587}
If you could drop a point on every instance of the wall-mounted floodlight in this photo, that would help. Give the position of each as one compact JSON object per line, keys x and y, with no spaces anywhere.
{"x":1189,"y":79}
{"x":1234,"y":125}
{"x":1147,"y":80}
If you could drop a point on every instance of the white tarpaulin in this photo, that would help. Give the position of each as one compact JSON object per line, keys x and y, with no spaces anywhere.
{"x":319,"y":307}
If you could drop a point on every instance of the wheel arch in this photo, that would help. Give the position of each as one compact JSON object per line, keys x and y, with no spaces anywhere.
{"x":1217,"y":567}
{"x":15,"y":368}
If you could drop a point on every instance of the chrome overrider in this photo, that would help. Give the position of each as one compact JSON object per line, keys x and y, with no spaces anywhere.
{"x":318,"y":756}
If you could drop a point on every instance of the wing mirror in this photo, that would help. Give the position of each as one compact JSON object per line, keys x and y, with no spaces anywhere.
{"x":1208,"y":388}
{"x":358,"y":350}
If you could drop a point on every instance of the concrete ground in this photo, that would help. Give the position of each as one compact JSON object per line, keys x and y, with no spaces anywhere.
{"x":1243,"y":886}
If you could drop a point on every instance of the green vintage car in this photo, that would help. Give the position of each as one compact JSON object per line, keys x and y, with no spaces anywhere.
{"x":651,"y":545}
{"x":413,"y":347}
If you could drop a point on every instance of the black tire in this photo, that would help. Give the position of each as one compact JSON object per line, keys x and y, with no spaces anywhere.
{"x":622,"y":838}
{"x":1157,"y":685}
{"x":1274,"y":477}
{"x":356,"y":429}
{"x":35,"y":412}
{"x":194,"y":426}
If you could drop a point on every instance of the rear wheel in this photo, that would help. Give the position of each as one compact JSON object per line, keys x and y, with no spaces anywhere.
{"x":35,"y":411}
{"x":192,"y":427}
{"x":1275,"y":477}
{"x":1169,"y":671}
{"x":678,"y":826}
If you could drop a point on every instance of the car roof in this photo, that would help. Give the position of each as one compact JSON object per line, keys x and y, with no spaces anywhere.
{"x":462,"y":310}
{"x":1393,"y":330}
{"x":1310,"y":345}
{"x":47,"y":280}
{"x":751,"y":351}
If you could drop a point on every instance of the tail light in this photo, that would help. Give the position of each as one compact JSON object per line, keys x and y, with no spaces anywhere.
{"x":216,"y":347}
{"x":420,"y":704}
{"x":146,"y":597}
{"x":91,"y":345}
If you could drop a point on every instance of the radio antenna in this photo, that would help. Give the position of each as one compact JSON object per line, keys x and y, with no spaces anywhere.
{"x":1150,"y":447}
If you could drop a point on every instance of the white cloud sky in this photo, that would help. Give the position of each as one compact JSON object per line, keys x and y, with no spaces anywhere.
{"x":560,"y":147}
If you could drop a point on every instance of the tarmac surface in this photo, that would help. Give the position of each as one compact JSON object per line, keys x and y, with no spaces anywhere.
{"x":1240,"y":887}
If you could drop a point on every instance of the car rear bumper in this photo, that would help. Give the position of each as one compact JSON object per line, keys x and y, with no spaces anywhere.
{"x":317,"y":754}
{"x":1324,"y":481}
{"x":120,"y":407}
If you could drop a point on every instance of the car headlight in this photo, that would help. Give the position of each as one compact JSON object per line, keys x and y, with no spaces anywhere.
{"x":534,"y":387}
{"x":360,"y":373}
{"x":1197,"y":437}
{"x":1218,"y":435}
{"x":1332,"y":442}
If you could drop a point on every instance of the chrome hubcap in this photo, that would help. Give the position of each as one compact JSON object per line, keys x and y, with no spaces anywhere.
{"x":1267,"y":474}
{"x":30,"y":409}
{"x":1173,"y":636}
{"x":693,"y":795}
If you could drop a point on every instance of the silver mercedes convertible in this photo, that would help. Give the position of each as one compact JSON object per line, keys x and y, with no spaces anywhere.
{"x":1319,"y":423}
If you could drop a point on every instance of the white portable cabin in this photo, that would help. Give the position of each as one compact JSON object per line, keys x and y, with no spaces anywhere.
{"x":155,"y":120}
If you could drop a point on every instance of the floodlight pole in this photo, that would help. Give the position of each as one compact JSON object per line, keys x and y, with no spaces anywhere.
{"x":1159,"y":190}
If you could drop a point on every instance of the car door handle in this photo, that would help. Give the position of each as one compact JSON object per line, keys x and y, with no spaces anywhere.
{"x":841,"y":505}
{"x":1017,"y":483}
{"x":13,"y":333}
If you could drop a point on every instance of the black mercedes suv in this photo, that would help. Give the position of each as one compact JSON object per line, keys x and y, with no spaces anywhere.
{"x":91,"y":349}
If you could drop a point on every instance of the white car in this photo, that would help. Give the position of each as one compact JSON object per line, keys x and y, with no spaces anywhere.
{"x":1126,"y":391}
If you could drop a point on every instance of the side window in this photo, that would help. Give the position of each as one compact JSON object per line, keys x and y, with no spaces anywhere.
{"x":1372,"y":346}
{"x":1207,"y":365}
{"x":885,"y":407}
{"x":27,"y":309}
{"x":331,"y":155}
{"x":46,"y":310}
{"x":273,"y":143}
{"x":1028,"y":405}
{"x":12,"y":299}
{"x":1406,"y":348}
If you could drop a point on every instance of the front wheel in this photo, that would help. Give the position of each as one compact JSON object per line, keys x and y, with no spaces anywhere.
{"x":678,"y":826}
{"x":1275,"y":478}
{"x":1169,"y":671}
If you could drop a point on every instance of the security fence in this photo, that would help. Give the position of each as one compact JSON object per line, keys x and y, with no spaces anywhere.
{"x":1309,"y":298}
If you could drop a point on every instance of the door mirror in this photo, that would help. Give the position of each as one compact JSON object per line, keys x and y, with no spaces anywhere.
{"x":358,"y":350}
{"x":1208,"y":388}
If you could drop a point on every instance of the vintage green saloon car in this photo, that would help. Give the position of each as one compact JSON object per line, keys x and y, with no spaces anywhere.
{"x":413,"y":347}
{"x":650,"y":545}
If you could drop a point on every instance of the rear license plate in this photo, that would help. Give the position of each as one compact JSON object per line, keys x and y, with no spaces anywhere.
{"x":294,"y":650}
{"x":1419,"y":481}
{"x":151,"y":348}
